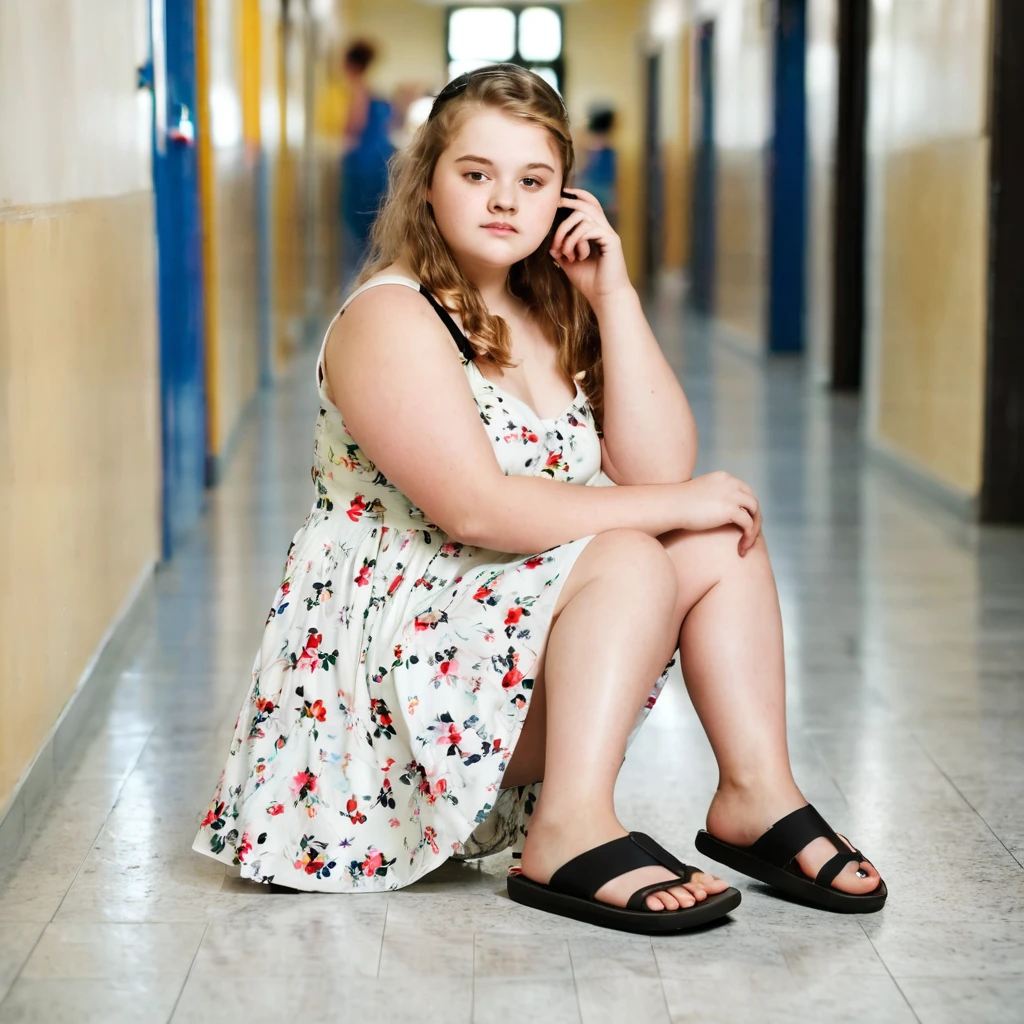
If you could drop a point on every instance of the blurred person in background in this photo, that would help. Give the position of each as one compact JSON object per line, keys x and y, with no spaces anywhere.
{"x":507,"y":548}
{"x":367,"y":149}
{"x":599,"y":173}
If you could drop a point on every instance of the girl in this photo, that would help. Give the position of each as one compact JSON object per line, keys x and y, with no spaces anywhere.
{"x":461,"y":616}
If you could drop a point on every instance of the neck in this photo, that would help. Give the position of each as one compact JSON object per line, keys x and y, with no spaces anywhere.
{"x":491,"y":283}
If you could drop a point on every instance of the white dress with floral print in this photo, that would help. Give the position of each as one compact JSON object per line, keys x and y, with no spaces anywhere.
{"x":395,"y":670}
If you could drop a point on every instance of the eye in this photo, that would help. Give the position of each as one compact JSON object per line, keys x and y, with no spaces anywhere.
{"x":530,"y":182}
{"x":469,"y":174}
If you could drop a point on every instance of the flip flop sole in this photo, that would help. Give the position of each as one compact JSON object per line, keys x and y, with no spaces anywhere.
{"x":645,"y":922}
{"x":800,"y":888}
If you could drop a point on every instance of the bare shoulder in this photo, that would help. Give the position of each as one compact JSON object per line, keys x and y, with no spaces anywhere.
{"x":386,"y":310}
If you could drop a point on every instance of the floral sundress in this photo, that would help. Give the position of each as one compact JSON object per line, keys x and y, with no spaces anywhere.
{"x":395,"y":669}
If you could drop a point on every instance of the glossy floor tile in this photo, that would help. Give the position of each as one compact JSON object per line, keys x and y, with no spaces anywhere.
{"x":905,"y":660}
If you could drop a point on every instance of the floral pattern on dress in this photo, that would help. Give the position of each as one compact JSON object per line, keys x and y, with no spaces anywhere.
{"x":395,"y":672}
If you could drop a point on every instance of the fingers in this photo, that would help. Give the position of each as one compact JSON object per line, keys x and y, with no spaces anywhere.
{"x":745,"y":521}
{"x":573,"y":239}
{"x":570,"y":222}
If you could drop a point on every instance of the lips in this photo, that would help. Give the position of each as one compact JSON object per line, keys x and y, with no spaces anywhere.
{"x":500,"y":226}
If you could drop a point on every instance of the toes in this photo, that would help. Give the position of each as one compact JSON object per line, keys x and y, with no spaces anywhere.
{"x":698,"y":891}
{"x":662,"y":901}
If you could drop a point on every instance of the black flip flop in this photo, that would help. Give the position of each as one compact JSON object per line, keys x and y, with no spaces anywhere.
{"x":772,"y":859}
{"x":570,"y":892}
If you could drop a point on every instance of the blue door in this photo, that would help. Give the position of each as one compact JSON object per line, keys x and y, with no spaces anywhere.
{"x":788,"y":181}
{"x":703,"y":219}
{"x":176,"y":185}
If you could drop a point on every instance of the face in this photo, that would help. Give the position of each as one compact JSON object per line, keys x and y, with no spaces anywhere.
{"x":496,"y":189}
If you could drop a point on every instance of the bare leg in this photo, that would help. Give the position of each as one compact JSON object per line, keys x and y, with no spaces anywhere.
{"x":730,"y":646}
{"x":614,"y":631}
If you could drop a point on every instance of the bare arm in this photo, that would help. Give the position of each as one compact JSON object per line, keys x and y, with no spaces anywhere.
{"x":650,"y":435}
{"x":394,"y":372}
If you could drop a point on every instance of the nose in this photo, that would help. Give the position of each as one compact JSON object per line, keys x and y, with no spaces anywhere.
{"x":502,"y":200}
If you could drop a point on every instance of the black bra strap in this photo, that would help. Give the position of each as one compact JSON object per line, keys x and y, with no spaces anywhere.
{"x":460,"y":339}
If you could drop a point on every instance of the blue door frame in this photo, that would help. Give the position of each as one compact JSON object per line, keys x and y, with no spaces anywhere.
{"x":787,"y":169}
{"x":180,"y":278}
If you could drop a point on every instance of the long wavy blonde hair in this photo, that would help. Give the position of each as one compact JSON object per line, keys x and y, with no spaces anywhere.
{"x":405,"y":228}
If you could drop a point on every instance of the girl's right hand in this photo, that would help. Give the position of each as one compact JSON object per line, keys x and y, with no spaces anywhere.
{"x":717,"y":499}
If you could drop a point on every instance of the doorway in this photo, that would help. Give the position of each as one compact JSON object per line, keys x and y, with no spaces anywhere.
{"x":847,"y":346}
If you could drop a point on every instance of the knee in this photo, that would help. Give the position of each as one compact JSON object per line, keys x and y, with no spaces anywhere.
{"x":632,"y":557}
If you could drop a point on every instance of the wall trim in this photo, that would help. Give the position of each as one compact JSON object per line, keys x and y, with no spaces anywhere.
{"x":918,"y":479}
{"x":25,"y":805}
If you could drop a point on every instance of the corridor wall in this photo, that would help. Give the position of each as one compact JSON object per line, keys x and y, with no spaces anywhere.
{"x":79,"y":417}
{"x":928,"y":150}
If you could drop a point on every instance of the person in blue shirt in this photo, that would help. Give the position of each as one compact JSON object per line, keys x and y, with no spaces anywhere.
{"x":599,"y":173}
{"x":368,"y":148}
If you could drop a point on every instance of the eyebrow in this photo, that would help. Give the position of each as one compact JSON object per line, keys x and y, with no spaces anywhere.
{"x":490,"y":163}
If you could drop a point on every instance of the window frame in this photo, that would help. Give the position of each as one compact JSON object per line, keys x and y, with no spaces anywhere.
{"x":557,"y":65}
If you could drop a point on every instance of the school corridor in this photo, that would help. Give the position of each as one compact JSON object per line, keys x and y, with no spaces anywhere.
{"x":906,"y":697}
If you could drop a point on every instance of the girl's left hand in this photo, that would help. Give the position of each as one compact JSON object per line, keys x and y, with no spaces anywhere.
{"x":587,"y":248}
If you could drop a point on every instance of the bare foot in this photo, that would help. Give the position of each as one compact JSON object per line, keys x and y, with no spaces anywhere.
{"x":741,"y":817}
{"x":547,"y":848}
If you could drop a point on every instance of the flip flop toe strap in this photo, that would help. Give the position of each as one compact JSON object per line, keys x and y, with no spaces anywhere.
{"x":638,"y":901}
{"x":584,"y":875}
{"x":832,"y":867}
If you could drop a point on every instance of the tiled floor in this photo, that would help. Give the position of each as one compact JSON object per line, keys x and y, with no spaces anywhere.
{"x":905,"y":632}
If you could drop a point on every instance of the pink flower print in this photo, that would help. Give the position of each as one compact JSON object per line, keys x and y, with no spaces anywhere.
{"x":448,"y":670}
{"x":374,"y":859}
{"x":356,"y":508}
{"x":363,"y":578}
{"x":449,"y":547}
{"x":394,"y":822}
{"x":303,"y":781}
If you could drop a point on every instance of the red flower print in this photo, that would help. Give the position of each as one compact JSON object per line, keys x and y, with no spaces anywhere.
{"x":534,"y":563}
{"x":395,"y":584}
{"x":554,"y":458}
{"x":452,"y":737}
{"x":265,"y":706}
{"x":285,"y":588}
{"x":483,"y":593}
{"x":356,"y":508}
{"x":513,"y":617}
{"x":318,"y":711}
{"x":511,"y":678}
{"x":364,"y":576}
{"x":275,"y":809}
{"x":497,"y":744}
{"x":431,"y":837}
{"x":244,"y":847}
{"x":309,"y":658}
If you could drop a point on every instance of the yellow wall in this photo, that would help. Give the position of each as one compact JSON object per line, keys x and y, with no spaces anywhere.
{"x":742,"y":128}
{"x":229,"y":224}
{"x":928,"y":144}
{"x":79,"y":427}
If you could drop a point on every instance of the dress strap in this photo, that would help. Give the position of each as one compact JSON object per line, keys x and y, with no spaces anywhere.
{"x":453,"y":328}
